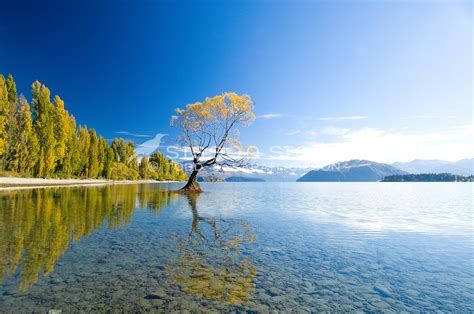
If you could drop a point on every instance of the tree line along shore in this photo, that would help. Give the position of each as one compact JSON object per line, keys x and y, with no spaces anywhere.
{"x":42,"y":140}
{"x":428,"y":177}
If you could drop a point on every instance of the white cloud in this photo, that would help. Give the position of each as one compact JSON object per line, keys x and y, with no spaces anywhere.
{"x":343,"y":118}
{"x":132,"y":134}
{"x":334,"y":131}
{"x":382,"y":146}
{"x":270,"y":116}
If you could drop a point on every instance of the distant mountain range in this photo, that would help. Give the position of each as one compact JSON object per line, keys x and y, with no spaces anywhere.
{"x":464,"y":167}
{"x":243,"y":179}
{"x":251,"y":172}
{"x":348,"y":171}
{"x":351,"y":171}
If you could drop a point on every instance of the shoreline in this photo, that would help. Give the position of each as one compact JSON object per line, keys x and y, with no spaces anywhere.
{"x":12,"y":183}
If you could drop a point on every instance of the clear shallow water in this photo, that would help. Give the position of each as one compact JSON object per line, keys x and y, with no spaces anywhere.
{"x":239,"y":246}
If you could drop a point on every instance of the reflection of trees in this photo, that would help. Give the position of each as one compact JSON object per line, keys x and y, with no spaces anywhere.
{"x":154,"y":198}
{"x":36,"y":226}
{"x":210,"y":263}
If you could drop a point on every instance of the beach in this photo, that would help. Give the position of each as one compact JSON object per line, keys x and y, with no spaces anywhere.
{"x":12,"y":183}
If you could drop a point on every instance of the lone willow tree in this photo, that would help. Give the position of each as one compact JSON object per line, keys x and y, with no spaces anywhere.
{"x":209,"y":129}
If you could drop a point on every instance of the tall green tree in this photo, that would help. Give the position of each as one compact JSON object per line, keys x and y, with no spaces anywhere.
{"x":11,"y":124}
{"x":165,"y":169}
{"x":13,"y":107}
{"x":62,"y":132}
{"x":4,"y":112}
{"x":27,"y":142}
{"x":11,"y":88}
{"x":144,"y":168}
{"x":133,"y":164}
{"x":82,"y":153}
{"x":93,"y":171}
{"x":43,"y":140}
{"x":44,"y":126}
{"x":108,"y":164}
{"x":124,"y":151}
{"x":102,"y":155}
{"x":67,"y":167}
{"x":12,"y":148}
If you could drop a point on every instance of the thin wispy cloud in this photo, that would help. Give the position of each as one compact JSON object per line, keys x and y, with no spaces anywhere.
{"x":270,"y":116}
{"x":293,"y":132}
{"x":344,"y":118}
{"x":335,"y":131}
{"x":428,"y":117}
{"x":132,"y":134}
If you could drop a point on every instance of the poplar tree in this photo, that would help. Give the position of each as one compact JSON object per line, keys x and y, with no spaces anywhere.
{"x":12,"y":148}
{"x":61,"y":132}
{"x":82,"y":153}
{"x":108,"y":164}
{"x":43,"y":111}
{"x":11,"y":127}
{"x":4,"y":111}
{"x":11,"y":88}
{"x":133,"y":164}
{"x":93,"y":155}
{"x":13,"y":108}
{"x":43,"y":140}
{"x":67,"y":167}
{"x":124,"y":151}
{"x":102,"y":155}
{"x":144,"y":168}
{"x":27,"y":145}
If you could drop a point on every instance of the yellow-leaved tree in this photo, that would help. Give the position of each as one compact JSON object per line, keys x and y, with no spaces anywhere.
{"x":209,"y":129}
{"x":4,"y":110}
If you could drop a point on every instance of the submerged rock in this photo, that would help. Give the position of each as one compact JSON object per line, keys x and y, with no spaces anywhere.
{"x":275,"y":291}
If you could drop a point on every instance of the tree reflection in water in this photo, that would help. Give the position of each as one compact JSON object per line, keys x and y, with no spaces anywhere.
{"x":211,"y":263}
{"x":37,"y":226}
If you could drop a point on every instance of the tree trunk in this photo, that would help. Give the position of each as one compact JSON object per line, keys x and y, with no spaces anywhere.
{"x":192,"y":185}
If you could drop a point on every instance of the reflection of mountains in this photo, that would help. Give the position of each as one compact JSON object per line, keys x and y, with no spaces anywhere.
{"x":36,"y":226}
{"x":210,"y":262}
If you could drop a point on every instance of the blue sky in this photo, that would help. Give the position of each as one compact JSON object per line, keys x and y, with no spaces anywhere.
{"x":387,"y":81}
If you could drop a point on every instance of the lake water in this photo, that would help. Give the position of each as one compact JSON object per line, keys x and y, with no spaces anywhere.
{"x":239,"y":246}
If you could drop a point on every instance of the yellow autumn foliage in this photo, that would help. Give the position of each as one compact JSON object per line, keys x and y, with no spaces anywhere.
{"x":37,"y":226}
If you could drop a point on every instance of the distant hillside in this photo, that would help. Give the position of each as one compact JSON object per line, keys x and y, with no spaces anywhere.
{"x":419,"y":165}
{"x":351,"y":171}
{"x":243,"y":179}
{"x":463,"y":167}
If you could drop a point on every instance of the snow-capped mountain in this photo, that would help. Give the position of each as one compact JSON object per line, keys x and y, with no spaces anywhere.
{"x":256,"y":171}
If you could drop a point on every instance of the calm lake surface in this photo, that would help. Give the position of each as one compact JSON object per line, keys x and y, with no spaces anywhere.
{"x":239,"y":246}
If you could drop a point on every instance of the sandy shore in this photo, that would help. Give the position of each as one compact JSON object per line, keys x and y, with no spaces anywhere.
{"x":7,"y":183}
